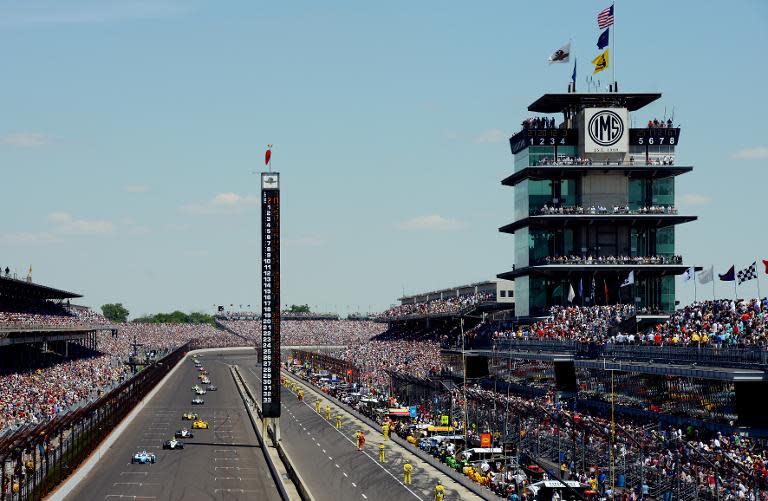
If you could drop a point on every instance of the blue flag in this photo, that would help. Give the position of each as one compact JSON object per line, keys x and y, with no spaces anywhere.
{"x":728,"y":276}
{"x":573,"y":77}
{"x":602,"y":42}
{"x":581,"y":288}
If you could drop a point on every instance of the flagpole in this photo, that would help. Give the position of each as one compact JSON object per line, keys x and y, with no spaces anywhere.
{"x":694,"y":283}
{"x":613,"y":46}
{"x":713,"y":284}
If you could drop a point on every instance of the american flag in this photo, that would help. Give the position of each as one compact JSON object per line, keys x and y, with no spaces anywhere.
{"x":605,"y":18}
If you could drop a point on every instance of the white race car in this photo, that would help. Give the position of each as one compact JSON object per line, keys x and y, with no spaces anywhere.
{"x":143,"y":457}
{"x":200,"y":391}
{"x":173,"y":444}
{"x":184,"y":433}
{"x":205,"y":380}
{"x":197,"y":401}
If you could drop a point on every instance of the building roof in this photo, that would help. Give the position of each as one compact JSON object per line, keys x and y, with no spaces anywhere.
{"x":560,"y":220}
{"x":16,"y":288}
{"x":556,"y":103}
{"x":560,"y":171}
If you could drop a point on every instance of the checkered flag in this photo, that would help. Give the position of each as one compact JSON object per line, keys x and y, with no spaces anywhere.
{"x":748,"y":273}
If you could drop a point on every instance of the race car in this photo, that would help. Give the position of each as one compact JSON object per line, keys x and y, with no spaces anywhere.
{"x":197,"y":401}
{"x":199,"y":424}
{"x":212,"y":387}
{"x":184,"y":433}
{"x":195,"y":388}
{"x":190,"y":416}
{"x":200,"y":391}
{"x":200,"y":368}
{"x":143,"y":457}
{"x":173,"y":444}
{"x":206,"y":380}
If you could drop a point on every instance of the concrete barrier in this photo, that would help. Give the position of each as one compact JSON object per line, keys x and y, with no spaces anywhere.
{"x":293,"y":473}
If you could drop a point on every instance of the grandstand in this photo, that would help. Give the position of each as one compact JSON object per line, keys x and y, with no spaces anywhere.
{"x":34,"y":314}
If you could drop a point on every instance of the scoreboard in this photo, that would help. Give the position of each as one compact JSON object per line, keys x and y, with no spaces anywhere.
{"x":543,"y":137}
{"x":270,"y":294}
{"x":654,"y":136}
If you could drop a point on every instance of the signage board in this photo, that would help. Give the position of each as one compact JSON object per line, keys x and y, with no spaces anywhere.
{"x":606,"y":130}
{"x":270,"y":294}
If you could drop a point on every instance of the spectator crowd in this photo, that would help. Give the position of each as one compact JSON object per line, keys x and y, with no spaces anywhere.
{"x":601,"y":210}
{"x":452,"y":304}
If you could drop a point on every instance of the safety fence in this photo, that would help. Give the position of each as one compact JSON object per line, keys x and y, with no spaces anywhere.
{"x":317,"y":361}
{"x":34,"y":460}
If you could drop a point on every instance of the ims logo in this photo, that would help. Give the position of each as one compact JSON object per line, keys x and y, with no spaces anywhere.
{"x":605,"y":128}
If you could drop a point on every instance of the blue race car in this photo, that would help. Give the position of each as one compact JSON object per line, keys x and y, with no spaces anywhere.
{"x":143,"y":457}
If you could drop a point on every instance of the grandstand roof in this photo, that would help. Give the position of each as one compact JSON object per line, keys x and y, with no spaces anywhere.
{"x":13,"y":287}
{"x":559,"y":171}
{"x":485,"y":283}
{"x":555,"y":103}
{"x":559,"y":270}
{"x":557,"y":220}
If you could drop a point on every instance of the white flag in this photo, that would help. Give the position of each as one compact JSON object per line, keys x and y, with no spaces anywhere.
{"x":561,"y":55}
{"x":571,"y":294}
{"x":689,"y":274}
{"x":630,"y":279}
{"x":707,"y":276}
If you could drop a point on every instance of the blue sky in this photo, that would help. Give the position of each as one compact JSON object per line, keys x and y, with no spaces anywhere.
{"x":131,"y":131}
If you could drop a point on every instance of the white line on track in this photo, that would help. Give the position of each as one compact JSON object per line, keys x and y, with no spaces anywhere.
{"x":364,"y":452}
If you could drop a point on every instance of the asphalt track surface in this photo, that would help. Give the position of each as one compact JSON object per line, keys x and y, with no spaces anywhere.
{"x":328,"y":459}
{"x":221,"y":463}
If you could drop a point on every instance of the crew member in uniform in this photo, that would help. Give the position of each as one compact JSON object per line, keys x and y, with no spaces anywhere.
{"x":385,"y":430}
{"x":338,"y":421}
{"x":317,"y":406}
{"x":381,"y":453}
{"x":327,"y":412}
{"x":360,"y":440}
{"x":407,"y":469}
{"x":439,"y":491}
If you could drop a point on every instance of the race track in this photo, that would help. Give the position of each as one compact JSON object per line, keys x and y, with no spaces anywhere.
{"x":221,"y":463}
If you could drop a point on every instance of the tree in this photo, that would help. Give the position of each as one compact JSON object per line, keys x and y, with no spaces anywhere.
{"x":299,"y":308}
{"x":115,"y":312}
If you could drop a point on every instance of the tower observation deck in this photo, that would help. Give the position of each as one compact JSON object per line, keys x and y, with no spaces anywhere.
{"x":594,"y":201}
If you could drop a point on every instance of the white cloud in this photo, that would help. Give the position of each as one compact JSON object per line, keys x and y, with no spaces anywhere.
{"x":760,"y":153}
{"x":695,"y":199}
{"x":490,"y":136}
{"x":432,"y":222}
{"x":223,"y":203}
{"x":136,"y":188}
{"x":25,"y":140}
{"x":66,"y":224}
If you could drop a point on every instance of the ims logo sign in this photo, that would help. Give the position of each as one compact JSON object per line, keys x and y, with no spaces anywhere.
{"x":605,"y":128}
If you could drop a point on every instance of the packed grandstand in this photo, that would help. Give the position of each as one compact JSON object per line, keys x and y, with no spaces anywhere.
{"x":517,"y":398}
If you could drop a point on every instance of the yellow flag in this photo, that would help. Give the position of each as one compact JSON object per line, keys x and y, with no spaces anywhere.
{"x":600,"y":62}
